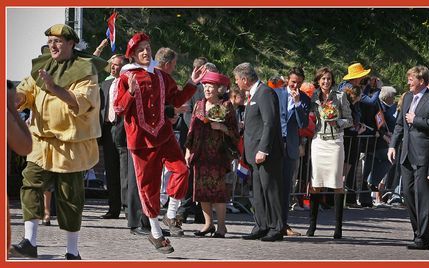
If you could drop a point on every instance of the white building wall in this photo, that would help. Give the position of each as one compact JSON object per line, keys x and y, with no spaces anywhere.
{"x":25,"y":29}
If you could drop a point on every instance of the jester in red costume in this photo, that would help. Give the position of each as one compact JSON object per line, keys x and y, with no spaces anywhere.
{"x":141,"y":96}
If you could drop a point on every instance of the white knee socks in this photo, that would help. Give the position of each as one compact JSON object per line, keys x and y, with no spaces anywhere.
{"x":155,"y":229}
{"x":30,"y":228}
{"x":173,"y":205}
{"x":72,"y":238}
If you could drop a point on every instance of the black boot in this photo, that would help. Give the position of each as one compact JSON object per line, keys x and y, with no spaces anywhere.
{"x":339,"y":209}
{"x":314,"y":209}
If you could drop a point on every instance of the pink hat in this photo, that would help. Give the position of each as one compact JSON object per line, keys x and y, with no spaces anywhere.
{"x":216,"y":78}
{"x":138,"y":37}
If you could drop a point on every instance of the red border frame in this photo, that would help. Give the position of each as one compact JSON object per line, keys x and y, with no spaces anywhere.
{"x":224,"y":3}
{"x":177,"y":3}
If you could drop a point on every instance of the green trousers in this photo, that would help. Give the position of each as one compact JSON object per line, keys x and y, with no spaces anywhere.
{"x":69,"y":195}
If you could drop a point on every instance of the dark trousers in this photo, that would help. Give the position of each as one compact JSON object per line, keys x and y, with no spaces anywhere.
{"x":289,"y":167}
{"x":416,"y":195}
{"x":69,"y":190}
{"x":116,"y":165}
{"x":266,"y":195}
{"x":188,"y":206}
{"x":136,"y":217}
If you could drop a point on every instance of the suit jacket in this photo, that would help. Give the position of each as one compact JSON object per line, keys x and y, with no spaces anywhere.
{"x":295,"y":119}
{"x":415,"y":137}
{"x":262,"y":131}
{"x":120,"y":135}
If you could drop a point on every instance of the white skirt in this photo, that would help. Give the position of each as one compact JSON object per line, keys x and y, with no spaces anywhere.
{"x":327,"y":160}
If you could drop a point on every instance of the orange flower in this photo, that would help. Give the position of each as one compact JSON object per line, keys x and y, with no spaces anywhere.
{"x":329,"y":111}
{"x":206,"y":120}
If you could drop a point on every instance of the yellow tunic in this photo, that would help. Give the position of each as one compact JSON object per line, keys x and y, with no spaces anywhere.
{"x":63,"y":141}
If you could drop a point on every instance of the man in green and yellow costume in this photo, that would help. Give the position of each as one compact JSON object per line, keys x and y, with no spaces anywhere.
{"x":63,"y":95}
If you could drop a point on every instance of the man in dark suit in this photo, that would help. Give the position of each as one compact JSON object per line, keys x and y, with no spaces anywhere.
{"x":294,"y":109}
{"x":412,"y":128}
{"x":263,"y":150}
{"x":114,"y":143}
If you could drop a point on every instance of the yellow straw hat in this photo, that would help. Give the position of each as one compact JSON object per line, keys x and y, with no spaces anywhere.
{"x":356,"y":70}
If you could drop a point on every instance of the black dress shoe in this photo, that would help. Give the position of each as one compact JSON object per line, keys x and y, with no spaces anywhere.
{"x":218,"y":235}
{"x":70,"y":256}
{"x":418,"y":246}
{"x":109,"y":215}
{"x":25,"y":249}
{"x":140,"y":231}
{"x":255,"y":236}
{"x":271,"y":237}
{"x":165,"y":232}
{"x":146,"y":231}
{"x":210,"y":230}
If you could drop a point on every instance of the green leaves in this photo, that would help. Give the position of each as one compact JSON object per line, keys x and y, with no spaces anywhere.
{"x":389,"y":41}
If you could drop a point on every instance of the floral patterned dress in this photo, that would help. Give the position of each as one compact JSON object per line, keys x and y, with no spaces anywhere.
{"x":210,"y":158}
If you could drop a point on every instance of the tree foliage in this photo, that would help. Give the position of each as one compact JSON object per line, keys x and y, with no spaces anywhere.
{"x":389,"y":41}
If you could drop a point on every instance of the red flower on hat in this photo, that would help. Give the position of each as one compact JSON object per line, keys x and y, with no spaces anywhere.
{"x":138,"y":37}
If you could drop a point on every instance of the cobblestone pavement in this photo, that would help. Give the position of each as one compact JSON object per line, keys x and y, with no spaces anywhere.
{"x":368,"y":234}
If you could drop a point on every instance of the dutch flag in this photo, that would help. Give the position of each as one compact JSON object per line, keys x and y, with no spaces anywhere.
{"x":111,"y":31}
{"x":243,"y":170}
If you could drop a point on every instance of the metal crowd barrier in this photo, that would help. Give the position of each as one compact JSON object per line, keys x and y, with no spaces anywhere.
{"x":357,"y":150}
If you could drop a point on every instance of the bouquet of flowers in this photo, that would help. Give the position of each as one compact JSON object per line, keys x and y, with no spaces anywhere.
{"x":329,"y":112}
{"x":217,"y":113}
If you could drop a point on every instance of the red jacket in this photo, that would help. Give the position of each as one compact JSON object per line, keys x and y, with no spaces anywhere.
{"x":145,"y":123}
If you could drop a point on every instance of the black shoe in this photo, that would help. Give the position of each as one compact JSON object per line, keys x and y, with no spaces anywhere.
{"x":338,"y":234}
{"x":210,"y":230}
{"x":165,"y":232}
{"x":70,"y":256}
{"x":140,"y":231}
{"x":272,"y":237}
{"x":311,"y":230}
{"x":46,"y":221}
{"x":25,"y":249}
{"x":255,"y":236}
{"x":144,"y":231}
{"x":418,"y":246}
{"x":366,"y":205}
{"x":109,"y":215}
{"x":218,"y":235}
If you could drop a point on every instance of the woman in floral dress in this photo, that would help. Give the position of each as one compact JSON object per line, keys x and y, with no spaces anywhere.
{"x":212,"y":135}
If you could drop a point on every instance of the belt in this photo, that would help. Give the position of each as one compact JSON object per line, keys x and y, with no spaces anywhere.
{"x":330,"y":136}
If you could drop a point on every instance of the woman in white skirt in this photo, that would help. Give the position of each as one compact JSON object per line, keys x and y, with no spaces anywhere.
{"x":327,"y":149}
